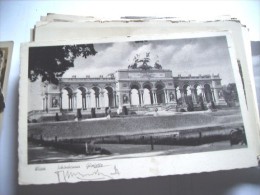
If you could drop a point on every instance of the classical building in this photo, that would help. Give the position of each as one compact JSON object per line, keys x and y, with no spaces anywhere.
{"x":136,"y":87}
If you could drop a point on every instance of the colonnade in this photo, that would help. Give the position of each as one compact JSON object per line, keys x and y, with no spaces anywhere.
{"x":156,"y":96}
{"x":207,"y":95}
{"x":159,"y":95}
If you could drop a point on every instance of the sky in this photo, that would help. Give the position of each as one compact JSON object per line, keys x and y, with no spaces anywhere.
{"x":207,"y":55}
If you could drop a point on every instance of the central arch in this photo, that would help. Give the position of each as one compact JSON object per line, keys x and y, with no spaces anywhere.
{"x":134,"y":94}
{"x":147,"y":93}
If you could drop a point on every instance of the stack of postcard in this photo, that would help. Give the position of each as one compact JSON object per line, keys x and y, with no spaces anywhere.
{"x":135,"y":97}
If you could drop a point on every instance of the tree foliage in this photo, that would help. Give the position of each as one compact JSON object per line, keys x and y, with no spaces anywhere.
{"x":230,"y":93}
{"x":53,"y":61}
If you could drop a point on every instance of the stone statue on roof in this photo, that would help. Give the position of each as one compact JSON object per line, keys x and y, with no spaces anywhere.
{"x":143,"y":63}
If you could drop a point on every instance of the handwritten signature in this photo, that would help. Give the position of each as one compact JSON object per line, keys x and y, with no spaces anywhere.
{"x":67,"y":176}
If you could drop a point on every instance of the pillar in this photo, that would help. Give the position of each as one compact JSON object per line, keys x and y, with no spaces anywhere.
{"x":130,"y":99}
{"x":203,"y":95}
{"x":84,"y":101}
{"x":139,"y":97}
{"x":165,"y":95}
{"x":151,"y":97}
{"x":74,"y":104}
{"x":182,"y":96}
{"x":215,"y":91}
{"x":47,"y":102}
{"x":115,"y":99}
{"x":88,"y":100}
{"x":194,"y":100}
{"x":43,"y":104}
{"x":61,"y":100}
{"x":69,"y":102}
{"x":142,"y":96}
{"x":101,"y":99}
{"x":213,"y":95}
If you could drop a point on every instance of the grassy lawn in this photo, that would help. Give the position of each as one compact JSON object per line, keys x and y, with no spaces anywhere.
{"x":130,"y":126}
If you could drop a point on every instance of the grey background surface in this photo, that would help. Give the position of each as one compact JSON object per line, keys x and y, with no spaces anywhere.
{"x":16,"y":19}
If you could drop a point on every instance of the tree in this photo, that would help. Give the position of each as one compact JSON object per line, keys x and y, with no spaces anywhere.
{"x":230,"y":93}
{"x":53,"y":61}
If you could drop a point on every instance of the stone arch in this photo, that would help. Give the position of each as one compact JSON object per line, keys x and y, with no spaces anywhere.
{"x":135,"y":85}
{"x":67,"y":98}
{"x":147,"y":93}
{"x":198,"y":92}
{"x":134,"y":93}
{"x":108,"y":96}
{"x":81,"y":97}
{"x":147,"y":84}
{"x":187,"y":94}
{"x":95,"y":96}
{"x":134,"y":97}
{"x":160,"y":93}
{"x":159,"y":83}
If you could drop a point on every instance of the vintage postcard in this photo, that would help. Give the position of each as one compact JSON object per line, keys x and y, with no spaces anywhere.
{"x":96,"y":29}
{"x":131,"y":107}
{"x":6,"y":49}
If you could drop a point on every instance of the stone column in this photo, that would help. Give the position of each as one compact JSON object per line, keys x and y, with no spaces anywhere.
{"x":96,"y":100}
{"x":142,"y":96}
{"x":182,"y":96}
{"x":215,"y":92}
{"x":153,"y":91}
{"x":101,"y":99}
{"x":75,"y":101}
{"x":61,"y":100}
{"x":115,"y":100}
{"x":175,"y":94}
{"x":47,"y":102}
{"x":139,"y":97}
{"x":83,"y":101}
{"x":43,"y":103}
{"x":130,"y":100}
{"x":203,"y":95}
{"x":212,"y":95}
{"x":154,"y":100}
{"x":88,"y":101}
{"x":151,"y":97}
{"x":193,"y":95}
{"x":69,"y":101}
{"x":165,"y":95}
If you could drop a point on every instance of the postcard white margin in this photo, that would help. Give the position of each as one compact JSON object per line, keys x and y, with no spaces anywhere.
{"x":141,"y":167}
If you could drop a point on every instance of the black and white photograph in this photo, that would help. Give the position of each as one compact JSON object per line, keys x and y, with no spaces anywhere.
{"x":132,"y":99}
{"x":5,"y":61}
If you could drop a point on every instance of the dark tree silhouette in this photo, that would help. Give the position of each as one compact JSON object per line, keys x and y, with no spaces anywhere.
{"x":230,"y":93}
{"x":53,"y":61}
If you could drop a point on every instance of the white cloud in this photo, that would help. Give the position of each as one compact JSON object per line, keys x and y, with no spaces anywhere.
{"x":187,"y":56}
